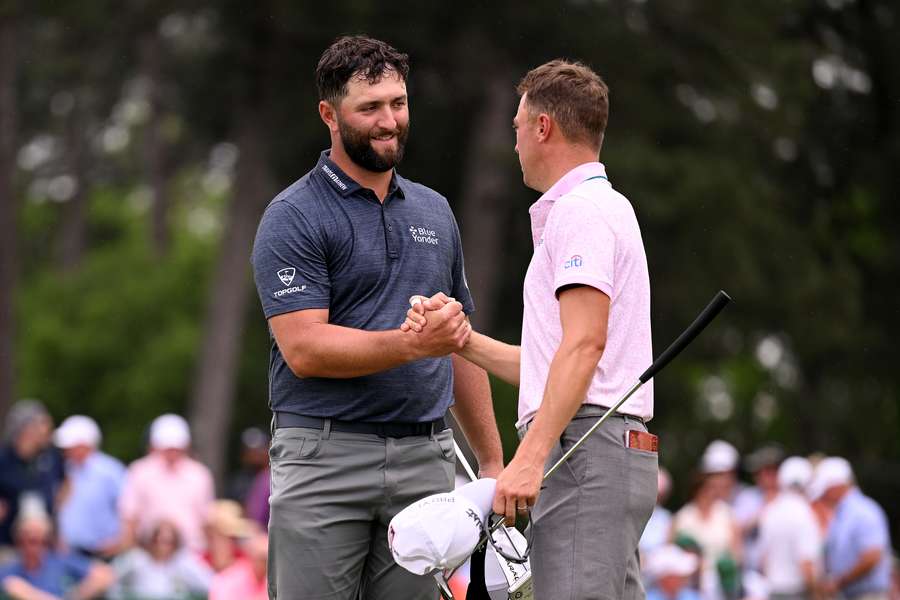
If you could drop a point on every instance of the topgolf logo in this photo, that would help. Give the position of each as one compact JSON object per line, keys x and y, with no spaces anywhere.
{"x":286,"y":275}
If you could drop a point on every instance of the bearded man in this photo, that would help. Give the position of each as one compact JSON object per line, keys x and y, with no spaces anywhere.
{"x":358,"y":425}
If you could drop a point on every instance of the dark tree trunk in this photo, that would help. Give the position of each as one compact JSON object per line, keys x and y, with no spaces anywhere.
{"x":213,"y":396}
{"x":482,"y":206}
{"x":153,"y":148}
{"x":8,"y":209}
{"x":73,"y":231}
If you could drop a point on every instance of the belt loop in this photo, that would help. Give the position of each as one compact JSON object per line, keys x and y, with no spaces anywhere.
{"x":272,"y":425}
{"x":431,"y":433}
{"x":326,"y":431}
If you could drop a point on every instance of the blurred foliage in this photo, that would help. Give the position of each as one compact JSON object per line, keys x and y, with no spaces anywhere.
{"x":757,"y":141}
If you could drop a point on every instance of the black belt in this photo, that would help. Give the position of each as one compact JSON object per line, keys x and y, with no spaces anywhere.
{"x":386,"y":430}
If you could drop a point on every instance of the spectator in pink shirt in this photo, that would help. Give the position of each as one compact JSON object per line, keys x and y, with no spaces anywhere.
{"x":246,"y":578}
{"x":167,"y":485}
{"x":585,"y":341}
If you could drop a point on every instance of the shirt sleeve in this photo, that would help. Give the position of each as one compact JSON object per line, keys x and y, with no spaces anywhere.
{"x":289,"y":262}
{"x":581,"y":245}
{"x":460,"y":289}
{"x":76,"y":567}
{"x":871,"y":530}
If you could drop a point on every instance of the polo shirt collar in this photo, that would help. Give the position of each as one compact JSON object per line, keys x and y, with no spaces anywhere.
{"x":345,"y":185}
{"x":540,"y":210}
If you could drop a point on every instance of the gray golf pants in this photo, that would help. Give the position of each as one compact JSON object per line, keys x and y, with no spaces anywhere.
{"x":333,"y":494}
{"x":589,"y":518}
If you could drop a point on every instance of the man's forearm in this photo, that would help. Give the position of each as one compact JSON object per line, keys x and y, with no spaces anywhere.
{"x":497,"y":358}
{"x":570,"y":375}
{"x":342,"y":352}
{"x":868,"y":561}
{"x":474,"y":411}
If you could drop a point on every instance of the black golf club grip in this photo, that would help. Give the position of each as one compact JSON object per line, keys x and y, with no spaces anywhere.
{"x":687,"y":336}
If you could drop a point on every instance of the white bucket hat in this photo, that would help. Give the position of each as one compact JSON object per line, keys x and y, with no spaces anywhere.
{"x":442,"y":530}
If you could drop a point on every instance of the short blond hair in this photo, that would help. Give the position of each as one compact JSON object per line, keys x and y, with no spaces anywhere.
{"x":573,"y":94}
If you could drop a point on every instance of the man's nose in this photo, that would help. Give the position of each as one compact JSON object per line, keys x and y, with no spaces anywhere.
{"x":387,"y":119}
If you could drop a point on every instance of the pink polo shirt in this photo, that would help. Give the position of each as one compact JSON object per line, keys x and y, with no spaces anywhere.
{"x":586,"y":233}
{"x":184,"y":494}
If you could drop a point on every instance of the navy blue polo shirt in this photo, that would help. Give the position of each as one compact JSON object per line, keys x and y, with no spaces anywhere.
{"x":327,"y":242}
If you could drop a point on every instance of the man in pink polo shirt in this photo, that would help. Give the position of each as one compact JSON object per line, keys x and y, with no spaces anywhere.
{"x":585,"y":340}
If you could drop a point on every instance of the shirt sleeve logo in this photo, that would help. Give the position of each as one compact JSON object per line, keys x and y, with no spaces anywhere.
{"x":575,"y":261}
{"x":286,"y":275}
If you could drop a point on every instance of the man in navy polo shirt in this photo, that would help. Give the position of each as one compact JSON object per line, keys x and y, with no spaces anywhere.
{"x":359,"y":405}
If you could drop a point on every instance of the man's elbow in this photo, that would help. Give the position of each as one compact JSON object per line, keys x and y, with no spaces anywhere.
{"x":301,"y":364}
{"x":590,"y":349}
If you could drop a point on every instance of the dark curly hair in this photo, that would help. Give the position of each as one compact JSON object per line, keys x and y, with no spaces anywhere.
{"x":356,"y":56}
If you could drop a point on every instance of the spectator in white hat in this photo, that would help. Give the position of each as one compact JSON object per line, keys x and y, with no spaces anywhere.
{"x":167,"y":485}
{"x":88,"y":516}
{"x":789,"y":539}
{"x":858,"y":545}
{"x":670,"y":568}
{"x":708,"y":519}
{"x":722,"y":459}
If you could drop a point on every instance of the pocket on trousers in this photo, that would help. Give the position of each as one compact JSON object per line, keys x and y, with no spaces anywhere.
{"x":292,"y":445}
{"x":444,"y":442}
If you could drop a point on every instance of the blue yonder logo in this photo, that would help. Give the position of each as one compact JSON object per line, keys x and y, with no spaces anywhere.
{"x":575,"y":261}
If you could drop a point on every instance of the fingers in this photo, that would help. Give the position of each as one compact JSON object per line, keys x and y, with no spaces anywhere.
{"x":414,"y":320}
{"x":451,"y":308}
{"x":505,"y":506}
{"x":437,"y":301}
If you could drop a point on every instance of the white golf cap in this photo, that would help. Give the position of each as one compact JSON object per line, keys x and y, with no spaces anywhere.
{"x":795,"y":471}
{"x":170,"y":431}
{"x":831,"y":472}
{"x":670,"y":560}
{"x":77,"y":430}
{"x":442,"y":530}
{"x":719,"y":457}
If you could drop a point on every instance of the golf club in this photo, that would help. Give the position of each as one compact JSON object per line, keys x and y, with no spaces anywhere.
{"x":715,"y":306}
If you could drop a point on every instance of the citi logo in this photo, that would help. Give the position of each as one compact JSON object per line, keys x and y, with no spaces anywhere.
{"x":575,"y":261}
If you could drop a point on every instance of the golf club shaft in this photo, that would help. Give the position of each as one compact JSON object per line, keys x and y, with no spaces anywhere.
{"x":703,"y":319}
{"x":464,"y":461}
{"x":593,"y":428}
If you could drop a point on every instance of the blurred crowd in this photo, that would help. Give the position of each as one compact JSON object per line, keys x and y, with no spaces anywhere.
{"x":76,"y":523}
{"x":803,"y":531}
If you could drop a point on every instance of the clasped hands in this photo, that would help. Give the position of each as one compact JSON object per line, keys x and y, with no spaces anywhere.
{"x":448,"y":327}
{"x":518,"y":485}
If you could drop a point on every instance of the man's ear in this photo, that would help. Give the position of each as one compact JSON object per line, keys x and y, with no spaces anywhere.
{"x":544,"y":126}
{"x":328,"y":114}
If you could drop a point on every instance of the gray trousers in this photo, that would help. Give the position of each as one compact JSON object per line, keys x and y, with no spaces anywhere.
{"x":590,"y":515}
{"x":333,"y":495}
